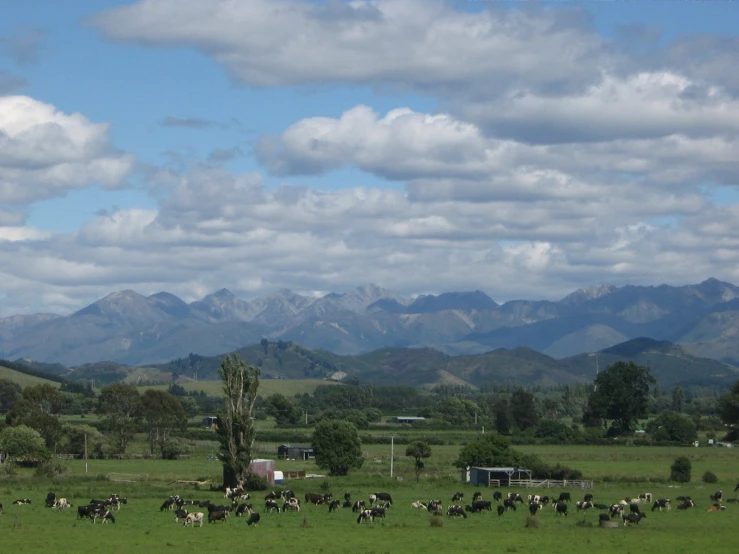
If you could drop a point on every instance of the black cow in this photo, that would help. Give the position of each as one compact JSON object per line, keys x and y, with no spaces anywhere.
{"x":347,"y":497}
{"x":434,"y":506}
{"x":457,"y":496}
{"x":358,"y":506}
{"x":497,"y":496}
{"x":314,"y":498}
{"x":217,"y":516}
{"x":384,"y":496}
{"x":50,"y":499}
{"x":736,"y":488}
{"x":180,"y":514}
{"x":244,"y":508}
{"x":661,"y":503}
{"x":335,"y":504}
{"x":274,"y":495}
{"x":84,"y":511}
{"x":717,"y":496}
{"x":22,"y":501}
{"x":564,"y":497}
{"x":481,"y":505}
{"x":213,"y":508}
{"x":478,"y":495}
{"x":560,"y":508}
{"x":684,"y":498}
{"x":534,"y":507}
{"x":545,"y":500}
{"x":604,"y":517}
{"x":456,"y":511}
{"x":588,"y":497}
{"x":271,"y":506}
{"x":378,"y":512}
{"x":633,"y":519}
{"x":584,"y":505}
{"x":634,"y":508}
{"x":168,"y":504}
{"x":686,"y":504}
{"x":509,"y":504}
{"x":253,"y":519}
{"x":500,"y":509}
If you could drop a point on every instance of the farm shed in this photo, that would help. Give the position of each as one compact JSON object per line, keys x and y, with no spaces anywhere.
{"x":295,"y":452}
{"x":264,"y":468}
{"x":500,"y":476}
{"x":407,"y":419}
{"x":210,"y":421}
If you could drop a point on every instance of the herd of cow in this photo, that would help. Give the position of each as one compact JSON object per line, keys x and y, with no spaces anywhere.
{"x":628,"y":510}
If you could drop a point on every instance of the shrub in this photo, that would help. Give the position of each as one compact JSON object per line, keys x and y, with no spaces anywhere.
{"x":254,"y":482}
{"x":680,"y":470}
{"x":709,"y":477}
{"x":532,"y":522}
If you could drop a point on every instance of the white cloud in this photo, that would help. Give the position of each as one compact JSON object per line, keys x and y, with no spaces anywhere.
{"x":45,"y":153}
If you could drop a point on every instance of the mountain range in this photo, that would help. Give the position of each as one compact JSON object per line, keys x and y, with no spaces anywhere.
{"x":129,"y":328}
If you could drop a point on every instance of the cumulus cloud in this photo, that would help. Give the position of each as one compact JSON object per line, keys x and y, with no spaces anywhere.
{"x":45,"y":153}
{"x":10,"y":83}
{"x":426,"y":45}
{"x":23,"y":46}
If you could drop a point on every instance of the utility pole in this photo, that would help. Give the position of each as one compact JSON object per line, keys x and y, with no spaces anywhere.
{"x":85,"y":452}
{"x":306,"y":417}
{"x":392,"y":454}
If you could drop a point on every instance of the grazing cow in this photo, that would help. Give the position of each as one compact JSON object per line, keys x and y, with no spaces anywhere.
{"x":715,"y":508}
{"x":457,"y":496}
{"x":242,"y":509}
{"x":645,"y":497}
{"x":253,"y":519}
{"x":335,"y":505}
{"x":22,"y":501}
{"x":213,"y":508}
{"x":481,"y":505}
{"x":584,"y":505}
{"x":347,"y":497}
{"x":378,"y":512}
{"x":313,"y":498}
{"x":661,"y":503}
{"x":358,"y":506}
{"x":685,"y":505}
{"x":500,"y":509}
{"x":588,"y":497}
{"x":560,"y":508}
{"x":384,"y":496}
{"x":509,"y":504}
{"x":435,"y":506}
{"x":192,"y":519}
{"x":418,"y":504}
{"x":564,"y":497}
{"x":684,"y":498}
{"x":717,"y":496}
{"x":168,"y":504}
{"x":533,"y":498}
{"x":271,"y":506}
{"x":456,"y":511}
{"x":478,"y":496}
{"x":545,"y":500}
{"x":274,"y":495}
{"x":366,"y":516}
{"x":50,"y":499}
{"x":372,"y":498}
{"x":105,"y":515}
{"x":633,"y":519}
{"x":180,"y":514}
{"x":634,"y":508}
{"x":497,"y":496}
{"x":534,"y":507}
{"x":61,"y":504}
{"x":217,"y":516}
{"x":515,"y":497}
{"x":604,"y":517}
{"x":291,"y":504}
{"x":84,"y":511}
{"x":616,"y":509}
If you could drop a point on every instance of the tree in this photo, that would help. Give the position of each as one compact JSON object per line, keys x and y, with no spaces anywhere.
{"x":502,"y":417}
{"x":337,"y":447}
{"x":678,"y":399}
{"x":37,"y":408}
{"x":162,"y":414}
{"x":490,"y":450}
{"x":523,"y":409}
{"x":120,"y":406}
{"x":621,"y":395}
{"x":418,"y":450}
{"x":10,"y":392}
{"x":23,"y":443}
{"x":680,"y":470}
{"x":235,"y":424}
{"x":190,"y":405}
{"x":671,"y":426}
{"x":728,"y":406}
{"x":283,"y":409}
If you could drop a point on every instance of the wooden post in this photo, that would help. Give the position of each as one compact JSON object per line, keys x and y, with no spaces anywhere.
{"x":85,"y":452}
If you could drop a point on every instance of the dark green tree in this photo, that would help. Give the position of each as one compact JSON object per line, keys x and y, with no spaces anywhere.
{"x":621,"y":395}
{"x":418,"y":450}
{"x":337,"y":447}
{"x":523,"y":409}
{"x":283,"y":409}
{"x":23,"y":443}
{"x":10,"y":392}
{"x":162,"y":413}
{"x":235,"y":426}
{"x":674,"y":427}
{"x":120,"y":408}
{"x":502,"y":417}
{"x":490,"y":450}
{"x":680,"y":470}
{"x":678,"y":398}
{"x":38,"y":408}
{"x":728,"y":406}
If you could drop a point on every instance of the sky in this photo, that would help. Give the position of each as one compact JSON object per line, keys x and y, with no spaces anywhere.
{"x":525,"y":149}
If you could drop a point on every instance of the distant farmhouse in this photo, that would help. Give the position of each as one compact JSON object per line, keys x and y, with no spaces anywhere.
{"x":295,"y":452}
{"x":407,"y":419}
{"x":210,"y":421}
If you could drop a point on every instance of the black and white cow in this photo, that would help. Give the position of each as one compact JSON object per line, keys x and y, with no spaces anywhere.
{"x":456,"y":511}
{"x":383,"y":496}
{"x":717,"y":496}
{"x":633,"y":519}
{"x":22,"y":501}
{"x":560,"y":508}
{"x":192,"y":519}
{"x":291,"y":504}
{"x":584,"y":505}
{"x":478,"y":496}
{"x":685,"y":504}
{"x":435,"y":506}
{"x":365,"y":515}
{"x":334,"y":506}
{"x":616,"y":510}
{"x":588,"y":497}
{"x":378,"y":512}
{"x":564,"y":497}
{"x":358,"y":506}
{"x":271,"y":506}
{"x":253,"y":519}
{"x":534,"y":507}
{"x":509,"y":504}
{"x":274,"y":495}
{"x":420,"y":505}
{"x":243,"y":508}
{"x":661,"y":503}
{"x":181,"y":513}
{"x":458,"y":496}
{"x":61,"y":504}
{"x":645,"y":497}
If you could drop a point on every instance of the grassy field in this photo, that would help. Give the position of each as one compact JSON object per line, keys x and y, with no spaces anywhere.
{"x":140,"y":524}
{"x":24,"y":380}
{"x":288,"y":387}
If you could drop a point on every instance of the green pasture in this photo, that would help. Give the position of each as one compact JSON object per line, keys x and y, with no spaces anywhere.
{"x":141,"y":525}
{"x":24,"y":380}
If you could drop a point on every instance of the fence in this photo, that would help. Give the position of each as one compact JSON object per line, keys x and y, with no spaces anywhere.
{"x":127,"y":477}
{"x":549,"y":483}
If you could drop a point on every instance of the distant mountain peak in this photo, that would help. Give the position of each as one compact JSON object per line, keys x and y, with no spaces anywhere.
{"x":589,"y":293}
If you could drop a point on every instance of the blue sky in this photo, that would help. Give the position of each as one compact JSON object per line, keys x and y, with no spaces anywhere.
{"x":491,"y":179}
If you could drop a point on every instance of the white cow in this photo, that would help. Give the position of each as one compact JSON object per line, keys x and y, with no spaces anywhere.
{"x":192,"y":519}
{"x":61,"y":503}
